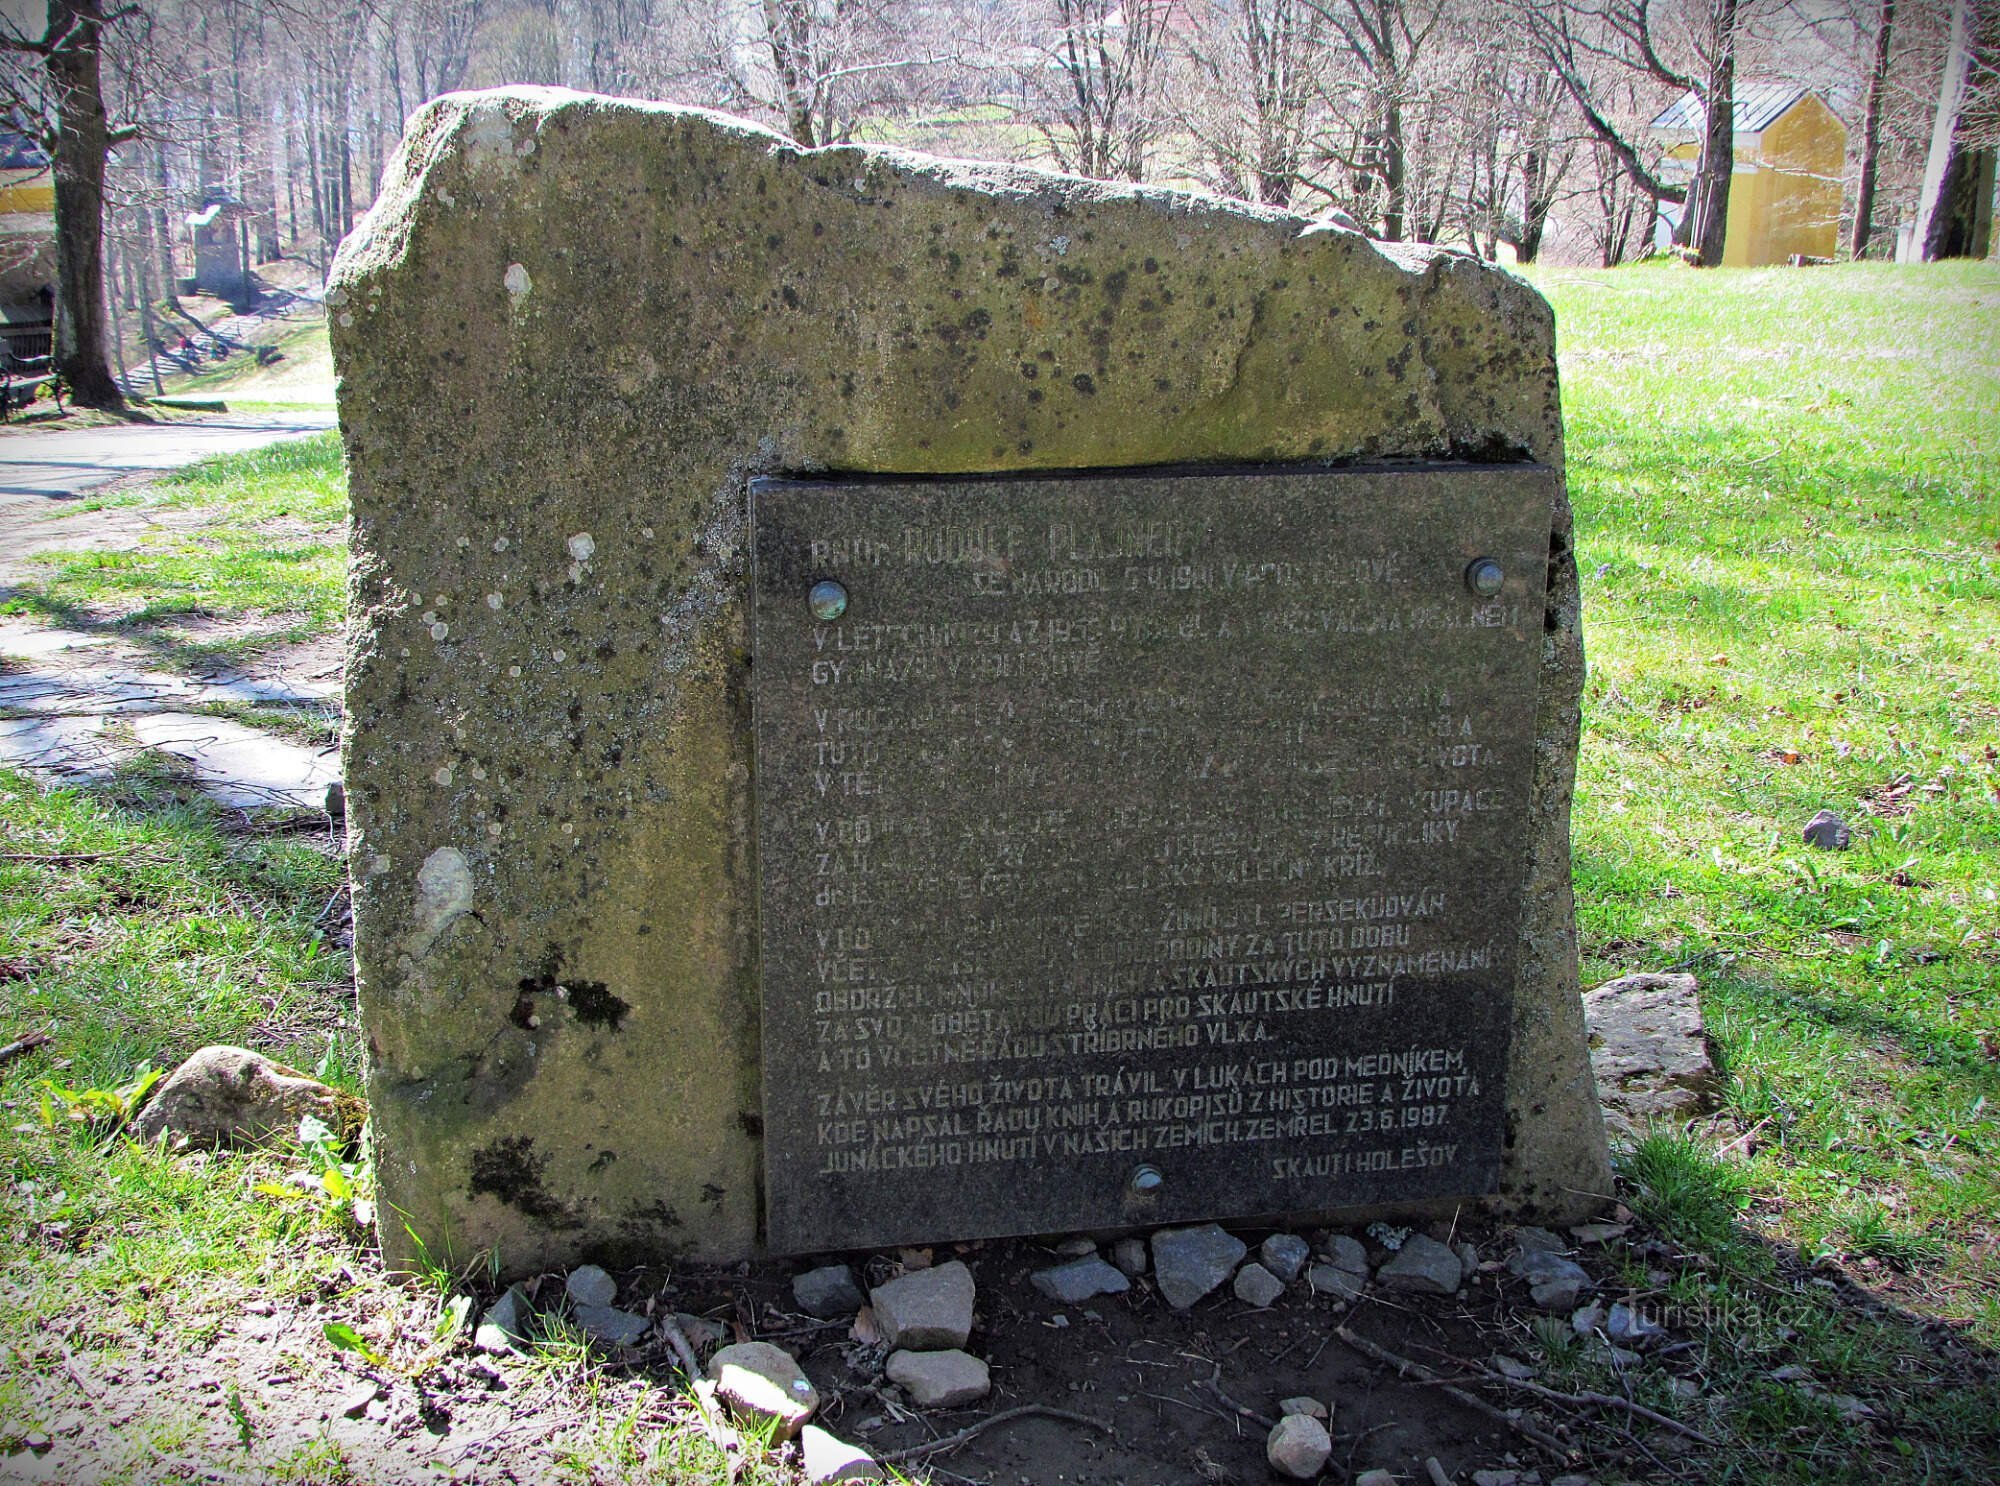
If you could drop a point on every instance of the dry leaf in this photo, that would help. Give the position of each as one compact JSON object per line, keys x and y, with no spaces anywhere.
{"x":913,"y":1259}
{"x":864,"y":1329}
{"x":1718,"y":660}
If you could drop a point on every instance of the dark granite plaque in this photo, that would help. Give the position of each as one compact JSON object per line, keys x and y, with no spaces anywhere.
{"x":1138,"y":847}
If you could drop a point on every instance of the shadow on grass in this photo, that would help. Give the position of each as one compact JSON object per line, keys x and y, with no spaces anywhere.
{"x":1803,"y":1367}
{"x":151,"y":923}
{"x":146,"y":630}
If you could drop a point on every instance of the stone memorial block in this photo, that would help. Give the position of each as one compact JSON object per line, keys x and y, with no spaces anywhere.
{"x":1107,"y":657}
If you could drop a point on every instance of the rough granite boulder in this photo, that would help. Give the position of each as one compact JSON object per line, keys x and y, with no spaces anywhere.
{"x":567,"y":335}
{"x":230,"y":1096}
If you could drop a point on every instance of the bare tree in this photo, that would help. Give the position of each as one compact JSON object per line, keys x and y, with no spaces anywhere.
{"x":1690,"y":48}
{"x":1385,"y":40}
{"x":1097,"y":88}
{"x":1871,"y":129}
{"x":62,"y":96}
{"x":1248,"y":97}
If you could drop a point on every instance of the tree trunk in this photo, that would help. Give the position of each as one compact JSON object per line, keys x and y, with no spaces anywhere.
{"x":781,"y":30}
{"x":163,"y":227}
{"x":83,"y":140}
{"x":1871,"y":134}
{"x":1955,"y":210}
{"x":1394,"y":169}
{"x":1535,"y":205}
{"x":1708,"y":197}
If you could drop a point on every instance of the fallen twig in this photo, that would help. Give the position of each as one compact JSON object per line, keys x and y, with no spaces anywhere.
{"x":1241,"y":1411}
{"x":683,"y":1349}
{"x":22,"y":1045}
{"x":1005,"y":1416}
{"x":1602,"y":1400}
{"x":1406,"y":1368}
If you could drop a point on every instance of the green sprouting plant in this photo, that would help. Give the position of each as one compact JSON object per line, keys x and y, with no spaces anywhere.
{"x":101,"y":1110}
{"x":333,"y":1178}
{"x":345,"y":1338}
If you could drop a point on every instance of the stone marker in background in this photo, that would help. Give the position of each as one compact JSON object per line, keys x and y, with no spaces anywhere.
{"x":573,"y":332}
{"x":1649,"y":1051}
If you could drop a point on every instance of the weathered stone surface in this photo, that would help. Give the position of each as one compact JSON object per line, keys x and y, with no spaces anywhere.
{"x":230,"y":1096}
{"x":1285,"y":1255}
{"x":1554,"y":1282}
{"x":1302,"y":1405}
{"x":1423,"y":1266}
{"x":609,"y":1324}
{"x":1827,"y":831}
{"x":927,"y":1308}
{"x":1299,"y":1447}
{"x":1649,"y":1051}
{"x":1341,"y":1284}
{"x":567,"y":334}
{"x":1189,"y":1263}
{"x":504,"y":1327}
{"x":1350,"y":1254}
{"x":759,"y":1382}
{"x":1129,"y":1254}
{"x":828,"y":1293}
{"x":1081,"y":1280}
{"x":590,"y":1285}
{"x":829,"y":1459}
{"x":939,"y":1380}
{"x":1256,"y":1285}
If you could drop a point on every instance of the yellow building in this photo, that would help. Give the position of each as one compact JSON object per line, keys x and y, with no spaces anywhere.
{"x":27,"y":250}
{"x":1785,"y":195}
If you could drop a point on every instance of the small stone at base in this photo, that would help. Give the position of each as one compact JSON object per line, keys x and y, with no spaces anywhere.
{"x":758,"y":1381}
{"x":1080,"y":1280}
{"x":1189,"y":1263}
{"x":1343,"y":1252}
{"x":1256,"y":1285}
{"x":1285,"y":1255}
{"x":1299,"y":1447}
{"x":829,"y":1459}
{"x":607,"y":1324}
{"x":1377,"y":1478}
{"x":939,"y":1380}
{"x":504,"y":1326}
{"x":590,"y":1285}
{"x":926,"y":1308}
{"x":1312,"y":1408}
{"x":828,"y":1293}
{"x":1423,"y":1266}
{"x":1341,"y":1284}
{"x":1129,"y":1254}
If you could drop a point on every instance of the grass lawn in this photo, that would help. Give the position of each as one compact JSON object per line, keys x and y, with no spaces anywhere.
{"x":236,"y":554}
{"x":1788,"y":495}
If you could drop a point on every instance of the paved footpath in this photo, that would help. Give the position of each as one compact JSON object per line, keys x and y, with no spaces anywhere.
{"x":39,"y":465}
{"x":75,"y":704}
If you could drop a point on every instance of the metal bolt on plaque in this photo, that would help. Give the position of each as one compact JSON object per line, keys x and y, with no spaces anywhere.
{"x":1146,"y":1180}
{"x":1485,"y":576}
{"x":828,"y":600}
